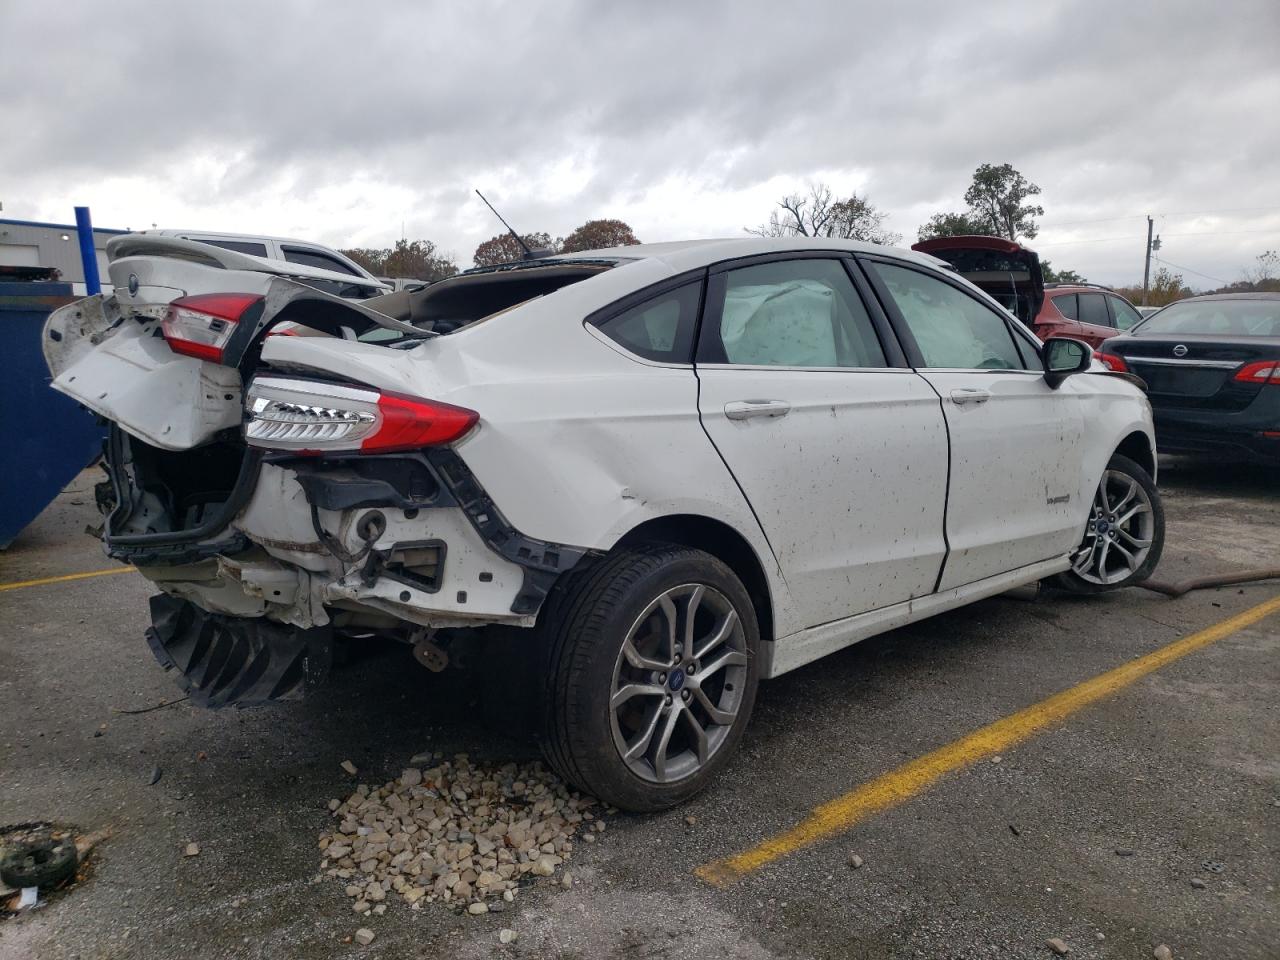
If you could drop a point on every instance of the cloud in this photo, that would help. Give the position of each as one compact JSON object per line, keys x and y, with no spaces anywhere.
{"x":352,"y":124}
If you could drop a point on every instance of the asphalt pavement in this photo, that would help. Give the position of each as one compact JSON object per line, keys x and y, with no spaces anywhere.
{"x":1148,"y":816}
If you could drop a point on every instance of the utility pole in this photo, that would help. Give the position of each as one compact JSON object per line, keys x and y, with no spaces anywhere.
{"x":1146,"y":269}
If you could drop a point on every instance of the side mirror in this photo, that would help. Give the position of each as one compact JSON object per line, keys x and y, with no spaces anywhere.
{"x":1063,"y":357}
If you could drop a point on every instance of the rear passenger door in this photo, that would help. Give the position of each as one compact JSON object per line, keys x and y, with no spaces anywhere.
{"x":1016,"y":444}
{"x":1095,"y":318}
{"x":839,"y":447}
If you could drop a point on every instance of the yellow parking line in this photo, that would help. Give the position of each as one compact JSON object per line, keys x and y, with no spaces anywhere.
{"x":64,"y":578}
{"x":897,"y":786}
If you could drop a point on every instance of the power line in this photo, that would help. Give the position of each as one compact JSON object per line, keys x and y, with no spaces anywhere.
{"x":1184,"y":213}
{"x":1170,"y":263}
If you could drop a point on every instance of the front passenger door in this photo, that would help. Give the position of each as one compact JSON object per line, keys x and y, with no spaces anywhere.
{"x":1016,"y":444}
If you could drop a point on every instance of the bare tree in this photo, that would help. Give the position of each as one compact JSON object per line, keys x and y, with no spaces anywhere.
{"x":413,"y":259}
{"x":819,"y":214}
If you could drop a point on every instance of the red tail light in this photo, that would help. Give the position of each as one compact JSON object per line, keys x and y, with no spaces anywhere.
{"x":1111,"y":361}
{"x":201,"y":326}
{"x":408,"y":423}
{"x":1260,"y":371}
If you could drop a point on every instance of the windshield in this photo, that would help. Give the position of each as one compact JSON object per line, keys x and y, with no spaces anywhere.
{"x":1232,"y":318}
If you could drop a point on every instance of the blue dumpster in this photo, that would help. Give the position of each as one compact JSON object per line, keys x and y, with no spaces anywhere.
{"x":48,"y":438}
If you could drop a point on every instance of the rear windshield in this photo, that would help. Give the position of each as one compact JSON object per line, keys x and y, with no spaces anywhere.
{"x":1231,"y":318}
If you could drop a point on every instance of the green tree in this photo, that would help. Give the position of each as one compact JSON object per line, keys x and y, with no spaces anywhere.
{"x":820,"y":214}
{"x":1166,"y":287}
{"x":599,"y":235}
{"x":505,"y":249}
{"x":952,"y":225}
{"x":1059,"y":276}
{"x":997,"y":196}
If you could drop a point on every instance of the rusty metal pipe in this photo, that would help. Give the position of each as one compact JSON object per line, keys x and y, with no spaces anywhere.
{"x":1216,"y":580}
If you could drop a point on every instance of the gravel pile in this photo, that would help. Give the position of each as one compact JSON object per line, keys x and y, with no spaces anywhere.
{"x":456,"y":832}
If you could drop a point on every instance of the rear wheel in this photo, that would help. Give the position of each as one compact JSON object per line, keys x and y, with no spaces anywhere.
{"x":653,"y":673}
{"x":1125,"y":533}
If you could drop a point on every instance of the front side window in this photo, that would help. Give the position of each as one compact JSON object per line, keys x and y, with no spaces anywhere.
{"x":1093,"y":309}
{"x":660,"y":329}
{"x":792,"y":313}
{"x":1126,"y":316}
{"x":951,"y":328}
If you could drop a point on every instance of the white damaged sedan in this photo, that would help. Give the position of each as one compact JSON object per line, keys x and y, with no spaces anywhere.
{"x":670,"y":471}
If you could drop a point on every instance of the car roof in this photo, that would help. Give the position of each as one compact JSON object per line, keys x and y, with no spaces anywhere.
{"x":171,"y":232}
{"x":682,"y":255}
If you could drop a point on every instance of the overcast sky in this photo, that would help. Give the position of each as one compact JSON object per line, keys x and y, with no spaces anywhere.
{"x":688,"y":119}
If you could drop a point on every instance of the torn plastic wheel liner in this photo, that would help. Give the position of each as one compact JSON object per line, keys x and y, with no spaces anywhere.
{"x":224,"y":661}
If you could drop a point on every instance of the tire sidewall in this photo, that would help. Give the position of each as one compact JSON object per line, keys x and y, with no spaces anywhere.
{"x":603,"y":765}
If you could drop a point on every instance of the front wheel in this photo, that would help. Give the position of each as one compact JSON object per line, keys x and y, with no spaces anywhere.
{"x":1125,"y":533}
{"x":653,"y":670}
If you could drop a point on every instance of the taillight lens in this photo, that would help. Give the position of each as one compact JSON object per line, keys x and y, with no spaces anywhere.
{"x":1111,"y":361}
{"x":1260,"y":371}
{"x":200,"y":326}
{"x":310,"y":417}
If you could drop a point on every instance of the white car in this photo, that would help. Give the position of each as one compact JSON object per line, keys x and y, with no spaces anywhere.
{"x":312,"y":263}
{"x":676,"y":469}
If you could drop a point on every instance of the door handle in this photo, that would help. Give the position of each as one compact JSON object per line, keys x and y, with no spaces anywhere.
{"x":746,"y":409}
{"x":965,"y":395}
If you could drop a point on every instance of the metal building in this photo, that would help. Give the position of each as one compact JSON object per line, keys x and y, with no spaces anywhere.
{"x":30,"y":243}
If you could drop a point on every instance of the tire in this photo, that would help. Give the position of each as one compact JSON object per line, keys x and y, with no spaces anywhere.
{"x":1095,"y":569}
{"x":627,"y":601}
{"x":39,"y":862}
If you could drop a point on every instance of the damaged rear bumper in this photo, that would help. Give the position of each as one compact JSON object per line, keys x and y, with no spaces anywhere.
{"x":359,"y":541}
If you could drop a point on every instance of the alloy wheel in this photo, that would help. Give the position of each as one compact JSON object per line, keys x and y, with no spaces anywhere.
{"x":678,"y":683}
{"x":1120,"y":531}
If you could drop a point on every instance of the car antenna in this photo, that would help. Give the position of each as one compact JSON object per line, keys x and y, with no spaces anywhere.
{"x":528,"y":254}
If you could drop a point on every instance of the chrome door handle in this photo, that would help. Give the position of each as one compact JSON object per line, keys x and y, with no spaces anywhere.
{"x":965,"y":395}
{"x":746,"y":409}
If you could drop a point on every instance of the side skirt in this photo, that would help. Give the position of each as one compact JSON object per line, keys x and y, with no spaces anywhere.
{"x":810,"y":644}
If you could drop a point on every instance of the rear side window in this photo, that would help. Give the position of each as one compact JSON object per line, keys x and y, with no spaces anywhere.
{"x":1093,"y":309}
{"x":239,"y":246}
{"x":314,"y":258}
{"x":659,"y":329}
{"x":1066,"y":305}
{"x":793,"y":313}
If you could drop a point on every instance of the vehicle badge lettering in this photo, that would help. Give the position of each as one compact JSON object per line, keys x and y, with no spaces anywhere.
{"x":133,"y":284}
{"x":1180,"y":350}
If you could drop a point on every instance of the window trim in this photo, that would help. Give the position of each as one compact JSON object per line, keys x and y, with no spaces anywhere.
{"x":914,"y":355}
{"x":713,"y":293}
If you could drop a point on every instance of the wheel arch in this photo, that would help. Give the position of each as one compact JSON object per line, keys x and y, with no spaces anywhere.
{"x":1137,"y":447}
{"x":721,"y":541}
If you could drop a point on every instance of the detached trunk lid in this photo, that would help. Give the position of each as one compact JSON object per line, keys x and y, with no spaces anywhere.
{"x":1008,"y":271}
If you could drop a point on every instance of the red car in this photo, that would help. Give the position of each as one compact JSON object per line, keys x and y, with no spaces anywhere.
{"x":1011,"y":274}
